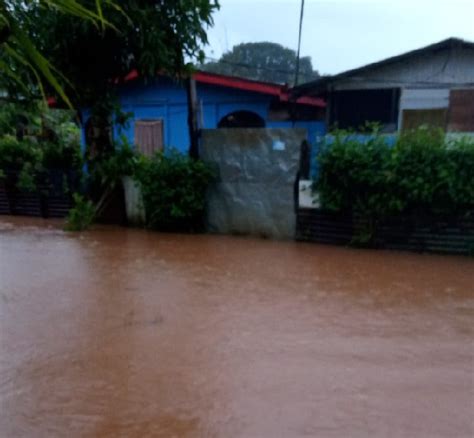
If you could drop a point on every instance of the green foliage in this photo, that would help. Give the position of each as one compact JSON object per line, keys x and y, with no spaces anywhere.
{"x":15,"y":154}
{"x":8,"y":119}
{"x":81,"y":216}
{"x":50,"y":141}
{"x":121,"y":161}
{"x":152,"y":36}
{"x":422,"y":174}
{"x":461,"y":180}
{"x":61,"y":156}
{"x":15,"y":116}
{"x":22,"y":65}
{"x":263,"y":61}
{"x":174,"y":190}
{"x":27,"y":178}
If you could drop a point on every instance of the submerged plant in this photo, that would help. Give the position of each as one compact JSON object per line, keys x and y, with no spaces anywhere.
{"x":81,"y":216}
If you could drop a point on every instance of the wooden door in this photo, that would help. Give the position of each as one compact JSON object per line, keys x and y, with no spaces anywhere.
{"x":149,"y":136}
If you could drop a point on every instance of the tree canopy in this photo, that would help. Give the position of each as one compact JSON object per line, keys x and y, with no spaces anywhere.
{"x":144,"y":35}
{"x":83,"y":61}
{"x":263,"y":61}
{"x":21,"y":63}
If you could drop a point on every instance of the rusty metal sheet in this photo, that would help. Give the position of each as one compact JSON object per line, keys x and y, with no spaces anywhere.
{"x":461,"y":111}
{"x":413,"y":119}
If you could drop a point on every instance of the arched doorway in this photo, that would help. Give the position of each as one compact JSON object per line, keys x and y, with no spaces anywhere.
{"x":241,"y":119}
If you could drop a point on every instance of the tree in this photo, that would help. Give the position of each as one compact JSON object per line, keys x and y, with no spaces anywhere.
{"x":263,"y":61}
{"x":21,"y":63}
{"x":152,"y":36}
{"x":83,"y":55}
{"x":146,"y":36}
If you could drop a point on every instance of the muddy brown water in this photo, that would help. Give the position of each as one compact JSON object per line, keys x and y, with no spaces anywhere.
{"x":124,"y":333}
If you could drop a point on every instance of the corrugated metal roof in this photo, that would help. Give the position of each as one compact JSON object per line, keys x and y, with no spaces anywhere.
{"x":321,"y":84}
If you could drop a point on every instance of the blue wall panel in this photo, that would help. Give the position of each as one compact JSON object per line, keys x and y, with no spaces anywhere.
{"x":166,"y":99}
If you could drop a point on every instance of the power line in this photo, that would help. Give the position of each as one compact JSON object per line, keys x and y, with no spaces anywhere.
{"x":299,"y":43}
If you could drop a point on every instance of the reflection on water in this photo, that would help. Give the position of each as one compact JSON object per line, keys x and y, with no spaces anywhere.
{"x":120,"y":332}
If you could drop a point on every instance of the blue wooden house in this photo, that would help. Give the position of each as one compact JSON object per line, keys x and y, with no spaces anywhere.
{"x":160,"y":109}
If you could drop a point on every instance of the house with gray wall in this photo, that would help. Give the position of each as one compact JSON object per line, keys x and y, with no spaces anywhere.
{"x":433,"y":85}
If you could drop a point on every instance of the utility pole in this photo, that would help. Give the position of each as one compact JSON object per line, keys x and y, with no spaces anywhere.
{"x":192,"y":118}
{"x":299,"y":44}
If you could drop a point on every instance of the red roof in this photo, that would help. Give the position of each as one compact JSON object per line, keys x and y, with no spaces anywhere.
{"x":268,"y":88}
{"x":237,"y":83}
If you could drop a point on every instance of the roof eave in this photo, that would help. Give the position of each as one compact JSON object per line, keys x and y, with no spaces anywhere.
{"x":320,"y":86}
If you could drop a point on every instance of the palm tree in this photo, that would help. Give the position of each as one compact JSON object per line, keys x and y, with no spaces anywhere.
{"x":18,"y":52}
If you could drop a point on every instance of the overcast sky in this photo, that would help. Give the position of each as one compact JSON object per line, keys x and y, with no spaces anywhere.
{"x":342,"y":34}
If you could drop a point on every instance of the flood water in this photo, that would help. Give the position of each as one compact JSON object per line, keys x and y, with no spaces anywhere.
{"x":125,"y":333}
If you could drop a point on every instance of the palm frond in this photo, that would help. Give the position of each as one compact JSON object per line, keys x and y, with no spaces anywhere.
{"x":72,"y":7}
{"x":21,"y":48}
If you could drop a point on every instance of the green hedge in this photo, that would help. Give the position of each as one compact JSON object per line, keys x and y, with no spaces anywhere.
{"x":173,"y":185}
{"x":422,"y":173}
{"x":49,"y":140}
{"x":174,"y":191}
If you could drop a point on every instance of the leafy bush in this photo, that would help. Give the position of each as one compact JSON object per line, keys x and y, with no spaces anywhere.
{"x":81,"y":216}
{"x":353,"y":172}
{"x":460,"y":159}
{"x":422,"y":173}
{"x":21,"y":162}
{"x":62,"y":156}
{"x":50,"y":140}
{"x":9,"y":117}
{"x":27,"y":179}
{"x":14,"y":154}
{"x":112,"y":166}
{"x":174,"y":190}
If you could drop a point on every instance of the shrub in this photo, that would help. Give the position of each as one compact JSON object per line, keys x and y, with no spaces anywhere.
{"x":62,"y":156}
{"x":27,"y":179}
{"x":14,"y":154}
{"x":81,"y":216}
{"x":421,"y":174}
{"x":21,"y":162}
{"x":35,"y":139}
{"x":353,"y":171}
{"x":460,"y":158}
{"x":174,"y":190}
{"x":112,"y":166}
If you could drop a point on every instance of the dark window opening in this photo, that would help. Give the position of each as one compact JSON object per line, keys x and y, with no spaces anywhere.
{"x":241,"y":119}
{"x":289,"y":111}
{"x":352,"y":109}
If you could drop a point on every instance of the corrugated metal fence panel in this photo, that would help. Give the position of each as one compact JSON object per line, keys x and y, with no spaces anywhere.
{"x":58,"y":206}
{"x":4,"y":201}
{"x":429,"y":235}
{"x":461,"y":111}
{"x":27,"y":204}
{"x":47,"y":201}
{"x":316,"y":225}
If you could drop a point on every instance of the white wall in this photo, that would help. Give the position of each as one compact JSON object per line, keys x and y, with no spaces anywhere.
{"x":415,"y":98}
